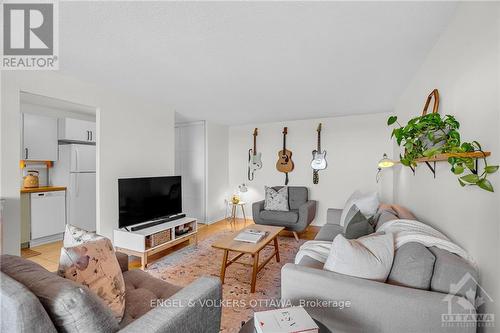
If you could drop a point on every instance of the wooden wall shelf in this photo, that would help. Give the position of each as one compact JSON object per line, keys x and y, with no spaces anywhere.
{"x":444,"y":157}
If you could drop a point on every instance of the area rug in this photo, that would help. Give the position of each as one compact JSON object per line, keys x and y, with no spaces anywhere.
{"x":188,"y":264}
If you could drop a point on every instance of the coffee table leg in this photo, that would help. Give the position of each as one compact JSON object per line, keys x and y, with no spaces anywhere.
{"x":223,"y":268}
{"x":276,"y":248}
{"x":254,"y":272}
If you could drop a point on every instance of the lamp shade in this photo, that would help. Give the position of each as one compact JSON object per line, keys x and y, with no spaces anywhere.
{"x":243,"y":188}
{"x":385,"y":162}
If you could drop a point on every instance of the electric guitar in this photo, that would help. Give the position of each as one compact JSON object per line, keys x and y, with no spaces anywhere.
{"x":285,"y":163}
{"x":319,"y":158}
{"x":254,"y":158}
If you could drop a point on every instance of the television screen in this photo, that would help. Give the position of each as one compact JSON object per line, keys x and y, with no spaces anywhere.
{"x":146,"y":199}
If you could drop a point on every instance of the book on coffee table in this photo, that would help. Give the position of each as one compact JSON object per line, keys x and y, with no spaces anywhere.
{"x":288,"y":320}
{"x":250,"y":236}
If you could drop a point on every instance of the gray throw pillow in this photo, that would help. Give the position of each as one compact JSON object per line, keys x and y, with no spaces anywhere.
{"x":276,"y":199}
{"x":72,"y":307}
{"x":356,"y":224}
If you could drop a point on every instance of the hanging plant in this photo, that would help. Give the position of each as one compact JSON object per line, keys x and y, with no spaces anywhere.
{"x":430,"y":135}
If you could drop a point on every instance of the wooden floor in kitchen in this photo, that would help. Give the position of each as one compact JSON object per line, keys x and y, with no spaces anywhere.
{"x":50,"y":253}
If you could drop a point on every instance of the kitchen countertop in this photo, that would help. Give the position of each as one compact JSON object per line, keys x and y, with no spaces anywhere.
{"x":43,"y":189}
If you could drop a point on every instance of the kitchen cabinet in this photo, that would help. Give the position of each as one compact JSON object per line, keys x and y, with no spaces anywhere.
{"x":77,"y":130}
{"x":39,"y":138}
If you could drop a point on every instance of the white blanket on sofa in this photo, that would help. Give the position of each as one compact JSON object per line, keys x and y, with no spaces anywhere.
{"x":404,"y":231}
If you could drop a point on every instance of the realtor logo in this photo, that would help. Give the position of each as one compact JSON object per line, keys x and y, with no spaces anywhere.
{"x":30,"y":32}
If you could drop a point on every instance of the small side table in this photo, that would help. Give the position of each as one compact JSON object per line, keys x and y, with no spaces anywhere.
{"x":234,"y":211}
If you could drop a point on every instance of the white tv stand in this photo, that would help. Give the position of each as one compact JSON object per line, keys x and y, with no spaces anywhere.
{"x":139,"y":243}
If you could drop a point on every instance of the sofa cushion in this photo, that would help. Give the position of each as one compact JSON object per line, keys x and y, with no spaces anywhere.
{"x":368,"y":257}
{"x":328,"y":232}
{"x":21,"y":310}
{"x":71,"y":306}
{"x":413,"y":267}
{"x":94,"y":264}
{"x":276,"y":199}
{"x":290,"y":217}
{"x":356,"y":224}
{"x":367,"y":203}
{"x":384,"y":217}
{"x":297,"y":196}
{"x":141,"y":290}
{"x":453,"y":275}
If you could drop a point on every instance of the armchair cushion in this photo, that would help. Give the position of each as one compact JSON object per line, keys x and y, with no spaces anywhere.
{"x":297,"y":196}
{"x":290,"y":217}
{"x":140,"y":290}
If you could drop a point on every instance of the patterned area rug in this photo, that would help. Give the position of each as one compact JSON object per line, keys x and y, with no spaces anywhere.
{"x":186,"y":265}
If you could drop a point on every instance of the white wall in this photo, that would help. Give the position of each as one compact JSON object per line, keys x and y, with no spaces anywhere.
{"x":354,"y":145}
{"x":217,"y":171}
{"x":190,"y":164}
{"x":464,"y":65}
{"x":136,"y":138}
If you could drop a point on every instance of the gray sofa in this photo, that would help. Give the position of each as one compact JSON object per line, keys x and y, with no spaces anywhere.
{"x":297,"y":219}
{"x":36,"y":300}
{"x":425,"y":284}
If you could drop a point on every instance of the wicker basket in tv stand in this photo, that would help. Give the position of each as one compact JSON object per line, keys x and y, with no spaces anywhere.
{"x":146,"y":242}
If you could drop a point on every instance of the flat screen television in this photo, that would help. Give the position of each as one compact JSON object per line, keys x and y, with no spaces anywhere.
{"x":146,"y":199}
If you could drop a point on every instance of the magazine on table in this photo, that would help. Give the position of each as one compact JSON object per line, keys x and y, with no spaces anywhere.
{"x":251,"y":236}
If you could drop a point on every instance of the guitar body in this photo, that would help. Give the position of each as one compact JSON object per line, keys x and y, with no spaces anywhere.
{"x":319,"y":160}
{"x":254,"y":161}
{"x":285,"y":163}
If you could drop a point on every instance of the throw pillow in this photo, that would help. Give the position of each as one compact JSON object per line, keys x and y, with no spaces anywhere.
{"x":367,"y":203}
{"x":76,"y":236}
{"x":276,"y":199}
{"x":368,"y":257}
{"x":94,"y":264}
{"x":356,"y":224}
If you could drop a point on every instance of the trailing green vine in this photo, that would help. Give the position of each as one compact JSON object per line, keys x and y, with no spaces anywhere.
{"x":430,"y":135}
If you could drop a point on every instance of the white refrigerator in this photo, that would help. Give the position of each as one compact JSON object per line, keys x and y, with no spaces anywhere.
{"x":75,"y":169}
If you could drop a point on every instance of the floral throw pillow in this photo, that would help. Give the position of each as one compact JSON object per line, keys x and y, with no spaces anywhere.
{"x":94,"y":264}
{"x":75,"y":236}
{"x":276,"y":199}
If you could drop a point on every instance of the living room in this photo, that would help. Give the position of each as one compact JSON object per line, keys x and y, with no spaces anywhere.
{"x":230,"y":107}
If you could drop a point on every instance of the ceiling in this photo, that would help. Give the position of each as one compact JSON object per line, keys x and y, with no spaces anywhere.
{"x":252,"y":62}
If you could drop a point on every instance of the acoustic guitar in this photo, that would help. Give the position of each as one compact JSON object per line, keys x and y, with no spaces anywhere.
{"x":319,"y":158}
{"x":254,"y":158}
{"x":285,"y":163}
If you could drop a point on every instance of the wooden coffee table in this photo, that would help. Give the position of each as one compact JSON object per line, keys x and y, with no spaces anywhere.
{"x":228,"y":244}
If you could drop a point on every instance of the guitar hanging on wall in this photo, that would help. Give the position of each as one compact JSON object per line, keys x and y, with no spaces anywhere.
{"x":319,"y":158}
{"x":254,"y":158}
{"x":285,"y":163}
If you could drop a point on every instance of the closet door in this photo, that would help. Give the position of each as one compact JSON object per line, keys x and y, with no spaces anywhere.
{"x":190,"y":164}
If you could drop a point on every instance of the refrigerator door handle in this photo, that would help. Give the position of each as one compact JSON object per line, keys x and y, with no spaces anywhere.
{"x":77,"y":186}
{"x":77,"y":159}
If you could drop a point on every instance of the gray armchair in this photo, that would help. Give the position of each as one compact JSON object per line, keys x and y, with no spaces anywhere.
{"x":29,"y":293}
{"x":301,"y":214}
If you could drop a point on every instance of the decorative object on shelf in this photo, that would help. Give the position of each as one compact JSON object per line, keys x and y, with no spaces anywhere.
{"x":285,"y":163}
{"x":319,"y":158}
{"x":235,"y":199}
{"x":31,"y":179}
{"x":384,"y":163}
{"x":432,"y":138}
{"x":254,"y":158}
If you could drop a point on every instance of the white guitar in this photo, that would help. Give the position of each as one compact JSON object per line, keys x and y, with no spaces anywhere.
{"x":254,"y":158}
{"x":319,"y":158}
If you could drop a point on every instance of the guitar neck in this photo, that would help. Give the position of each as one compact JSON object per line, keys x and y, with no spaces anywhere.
{"x":319,"y":141}
{"x":254,"y":145}
{"x":284,"y":142}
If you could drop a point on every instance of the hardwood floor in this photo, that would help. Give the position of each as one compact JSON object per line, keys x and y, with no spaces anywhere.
{"x":49,"y":253}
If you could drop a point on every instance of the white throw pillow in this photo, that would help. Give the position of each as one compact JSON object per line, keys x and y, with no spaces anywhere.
{"x":276,"y":199}
{"x":368,"y":257}
{"x":367,"y":203}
